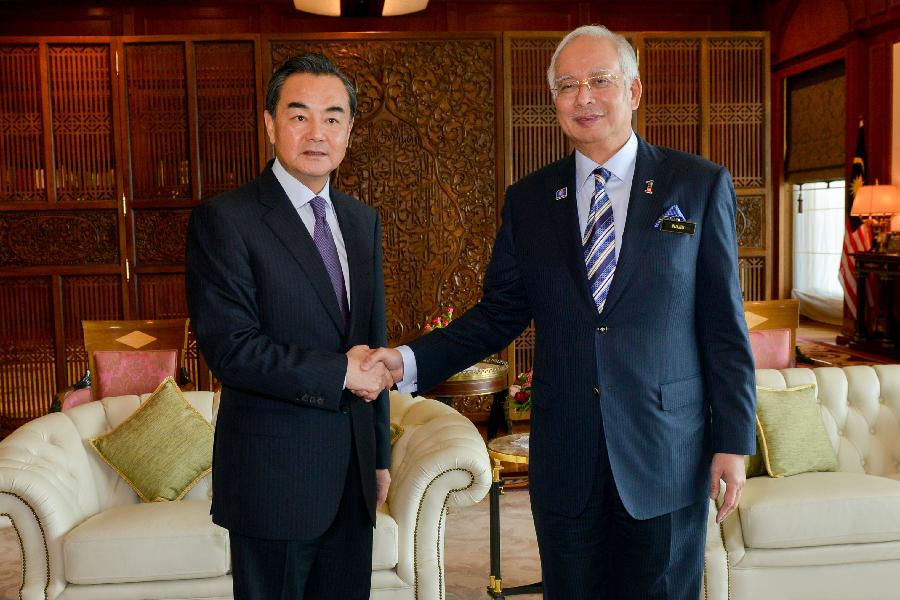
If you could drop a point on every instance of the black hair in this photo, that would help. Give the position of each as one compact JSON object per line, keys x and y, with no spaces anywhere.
{"x":313,"y":63}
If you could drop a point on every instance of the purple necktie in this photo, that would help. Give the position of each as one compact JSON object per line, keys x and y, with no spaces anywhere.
{"x":325,"y":244}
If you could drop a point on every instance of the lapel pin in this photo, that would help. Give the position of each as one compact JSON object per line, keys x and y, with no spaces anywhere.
{"x":562,"y":193}
{"x":649,"y":188}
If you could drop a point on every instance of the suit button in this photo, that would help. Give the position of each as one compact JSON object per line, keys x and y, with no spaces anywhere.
{"x":596,"y":392}
{"x":602,"y":329}
{"x":320,"y":401}
{"x":345,"y":410}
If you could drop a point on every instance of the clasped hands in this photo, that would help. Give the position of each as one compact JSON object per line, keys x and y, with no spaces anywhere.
{"x":371,"y":371}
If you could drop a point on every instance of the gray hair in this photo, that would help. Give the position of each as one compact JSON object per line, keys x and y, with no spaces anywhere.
{"x":312,"y":63}
{"x":627,"y":58}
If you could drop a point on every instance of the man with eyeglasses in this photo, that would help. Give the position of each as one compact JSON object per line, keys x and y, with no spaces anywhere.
{"x":643,"y":399}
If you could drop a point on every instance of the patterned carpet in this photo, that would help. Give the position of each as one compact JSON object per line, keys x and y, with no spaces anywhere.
{"x":467,"y":556}
{"x":839,"y":356}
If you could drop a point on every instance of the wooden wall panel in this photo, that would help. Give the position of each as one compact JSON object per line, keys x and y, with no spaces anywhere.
{"x":227,"y":115}
{"x":81,"y":104}
{"x":423,"y":153}
{"x":160,"y":237}
{"x":27,"y":351}
{"x":156,"y":91}
{"x":672,"y":102}
{"x":38,"y":238}
{"x":92,"y":297}
{"x":23,"y":175}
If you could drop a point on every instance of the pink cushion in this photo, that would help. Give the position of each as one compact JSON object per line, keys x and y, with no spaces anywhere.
{"x":76,"y":397}
{"x":132,"y":372}
{"x":772,"y":348}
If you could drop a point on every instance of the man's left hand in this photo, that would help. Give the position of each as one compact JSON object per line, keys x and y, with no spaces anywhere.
{"x":382,"y":483}
{"x":730,"y":469}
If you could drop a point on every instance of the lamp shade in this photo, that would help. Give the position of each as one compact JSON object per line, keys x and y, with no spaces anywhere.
{"x":332,"y":8}
{"x":895,"y":223}
{"x":876,"y":200}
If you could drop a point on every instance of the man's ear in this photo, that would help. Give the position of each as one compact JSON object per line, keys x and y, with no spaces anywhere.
{"x":635,"y":93}
{"x":270,"y":126}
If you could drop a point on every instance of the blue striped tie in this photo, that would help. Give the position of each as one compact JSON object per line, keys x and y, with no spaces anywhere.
{"x":599,"y":241}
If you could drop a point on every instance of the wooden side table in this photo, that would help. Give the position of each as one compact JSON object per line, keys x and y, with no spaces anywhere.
{"x":488,"y":377}
{"x":511,"y":449}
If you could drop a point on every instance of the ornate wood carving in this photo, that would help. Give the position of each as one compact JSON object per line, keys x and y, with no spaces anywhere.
{"x":422,"y":154}
{"x":96,"y":297}
{"x":58,"y":238}
{"x":160,"y":236}
{"x":671,"y":100}
{"x":81,"y":109}
{"x":157,"y":121}
{"x":751,"y":222}
{"x":161,"y":296}
{"x":23,"y":177}
{"x":27,"y":357}
{"x":226,"y":100}
{"x":752,"y":272}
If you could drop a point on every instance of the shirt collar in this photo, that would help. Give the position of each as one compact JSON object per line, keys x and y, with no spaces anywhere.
{"x":296,"y":190}
{"x":620,"y":164}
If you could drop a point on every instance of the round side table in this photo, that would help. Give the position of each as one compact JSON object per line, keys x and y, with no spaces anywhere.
{"x":484,"y":378}
{"x":511,"y":449}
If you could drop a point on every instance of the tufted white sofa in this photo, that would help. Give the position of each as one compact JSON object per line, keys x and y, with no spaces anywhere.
{"x":85,"y":535}
{"x":821,"y":536}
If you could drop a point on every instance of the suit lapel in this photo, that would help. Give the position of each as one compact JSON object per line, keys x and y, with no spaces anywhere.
{"x":289,"y":228}
{"x":565,"y":213}
{"x":643,"y":211}
{"x":353,"y":231}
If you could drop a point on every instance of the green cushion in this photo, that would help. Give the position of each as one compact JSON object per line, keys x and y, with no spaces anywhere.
{"x":163,"y":449}
{"x":754,"y":463}
{"x":396,"y":432}
{"x":791,"y":432}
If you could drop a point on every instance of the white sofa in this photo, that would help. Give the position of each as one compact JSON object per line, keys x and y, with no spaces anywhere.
{"x":85,"y":535}
{"x":821,"y":536}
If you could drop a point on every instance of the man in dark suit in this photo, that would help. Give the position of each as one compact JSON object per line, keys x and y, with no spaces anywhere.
{"x":625,"y":256}
{"x":286,"y":294}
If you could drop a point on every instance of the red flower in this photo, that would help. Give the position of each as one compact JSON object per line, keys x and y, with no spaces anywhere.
{"x":520,"y":397}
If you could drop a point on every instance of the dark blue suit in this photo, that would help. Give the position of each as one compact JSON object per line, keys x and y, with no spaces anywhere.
{"x":267,"y":320}
{"x":651,"y":387}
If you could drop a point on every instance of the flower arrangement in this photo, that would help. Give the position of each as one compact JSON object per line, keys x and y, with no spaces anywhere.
{"x":519,"y":394}
{"x":442,"y":320}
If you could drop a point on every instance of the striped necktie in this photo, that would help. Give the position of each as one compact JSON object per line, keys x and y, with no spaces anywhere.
{"x":599,"y":241}
{"x":324,"y":241}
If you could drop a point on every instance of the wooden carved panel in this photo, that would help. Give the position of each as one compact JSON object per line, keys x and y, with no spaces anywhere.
{"x":159,"y":236}
{"x":752,"y":271}
{"x":751,"y":221}
{"x":226,"y":101}
{"x":23,"y":177}
{"x":422,"y":153}
{"x":534,"y":133}
{"x":81,"y":108}
{"x":737,"y":108}
{"x":671,"y":77}
{"x":157,"y":121}
{"x":93,"y":297}
{"x":27,"y":355}
{"x":58,"y":238}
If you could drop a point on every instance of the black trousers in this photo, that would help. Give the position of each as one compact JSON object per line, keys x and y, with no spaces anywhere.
{"x":335,"y":566}
{"x":606,"y":554}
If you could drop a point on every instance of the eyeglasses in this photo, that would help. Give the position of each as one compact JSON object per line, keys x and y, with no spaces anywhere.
{"x":596,"y":82}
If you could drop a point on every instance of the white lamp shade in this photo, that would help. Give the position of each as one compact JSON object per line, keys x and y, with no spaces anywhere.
{"x":895,"y":223}
{"x":329,"y":8}
{"x":876,"y":200}
{"x":393,"y":8}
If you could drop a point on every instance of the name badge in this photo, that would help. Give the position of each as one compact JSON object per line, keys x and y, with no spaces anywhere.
{"x":680,"y":227}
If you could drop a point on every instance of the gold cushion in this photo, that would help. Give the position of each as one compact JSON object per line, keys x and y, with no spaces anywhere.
{"x":396,"y":432}
{"x":791,"y":432}
{"x":163,"y":449}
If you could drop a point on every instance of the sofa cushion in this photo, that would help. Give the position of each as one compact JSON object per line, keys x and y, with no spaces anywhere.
{"x":147,"y":542}
{"x":163,"y":449}
{"x":385,"y":541}
{"x":790,"y":429}
{"x":818,"y":509}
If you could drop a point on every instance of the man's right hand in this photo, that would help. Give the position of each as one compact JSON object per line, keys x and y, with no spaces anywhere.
{"x":390,"y":358}
{"x":366,"y":382}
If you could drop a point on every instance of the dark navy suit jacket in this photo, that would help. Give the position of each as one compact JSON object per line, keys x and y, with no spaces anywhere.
{"x":268,"y":323}
{"x":663,"y":376}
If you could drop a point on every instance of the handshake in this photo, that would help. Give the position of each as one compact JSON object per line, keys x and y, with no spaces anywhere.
{"x":370,"y":371}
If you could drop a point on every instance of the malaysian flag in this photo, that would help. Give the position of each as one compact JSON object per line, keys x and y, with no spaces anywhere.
{"x":857,"y":235}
